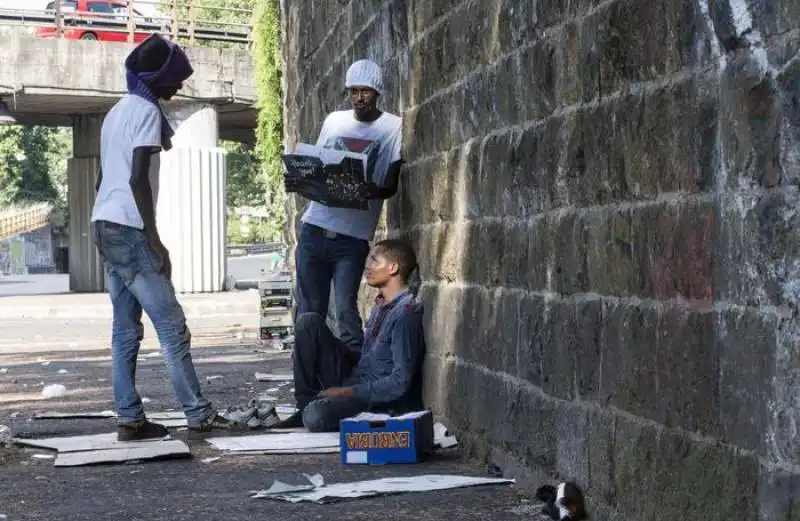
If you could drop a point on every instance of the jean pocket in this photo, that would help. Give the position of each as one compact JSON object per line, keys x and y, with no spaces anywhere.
{"x":115,"y":248}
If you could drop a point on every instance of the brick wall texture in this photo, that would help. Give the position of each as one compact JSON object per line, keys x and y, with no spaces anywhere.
{"x":603,"y":196}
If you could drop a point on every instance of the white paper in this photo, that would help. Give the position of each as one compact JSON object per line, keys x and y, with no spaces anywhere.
{"x":442,"y":438}
{"x":54,"y":391}
{"x":123,"y":453}
{"x":378,"y":487}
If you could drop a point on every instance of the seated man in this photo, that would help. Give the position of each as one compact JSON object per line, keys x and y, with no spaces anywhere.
{"x":333,"y":382}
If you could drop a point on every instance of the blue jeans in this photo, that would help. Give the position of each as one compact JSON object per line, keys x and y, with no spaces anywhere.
{"x":322,"y":361}
{"x":320,"y":259}
{"x":135,"y":284}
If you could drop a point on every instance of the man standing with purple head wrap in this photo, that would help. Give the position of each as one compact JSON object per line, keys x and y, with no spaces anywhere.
{"x":137,"y":263}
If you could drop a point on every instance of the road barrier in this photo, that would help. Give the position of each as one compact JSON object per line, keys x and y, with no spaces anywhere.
{"x":190,"y":26}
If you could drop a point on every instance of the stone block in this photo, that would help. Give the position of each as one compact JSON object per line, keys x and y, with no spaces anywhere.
{"x":454,"y":48}
{"x":423,"y":13}
{"x":536,"y":79}
{"x":569,"y":235}
{"x":687,"y":375}
{"x":777,"y":495}
{"x":628,"y":365}
{"x":635,"y":461}
{"x":673,"y":245}
{"x":600,"y":457}
{"x":712,"y":481}
{"x":531,"y":340}
{"x":570,"y":348}
{"x":548,"y":14}
{"x":578,"y":70}
{"x":533,"y":429}
{"x":751,"y":123}
{"x":776,"y":17}
{"x":746,"y":343}
{"x":757,"y":249}
{"x":612,"y":264}
{"x":644,"y":41}
{"x":573,"y":443}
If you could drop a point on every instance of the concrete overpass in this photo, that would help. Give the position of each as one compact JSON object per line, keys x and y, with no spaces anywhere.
{"x":61,"y":82}
{"x":49,"y":81}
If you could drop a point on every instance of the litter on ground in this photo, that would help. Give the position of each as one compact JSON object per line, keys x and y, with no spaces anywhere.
{"x":54,"y":391}
{"x":317,"y":492}
{"x":274,"y":377}
{"x":75,"y":451}
{"x":303,"y":442}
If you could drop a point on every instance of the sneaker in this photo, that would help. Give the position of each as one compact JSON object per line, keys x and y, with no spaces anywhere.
{"x":265,"y":418}
{"x":216,"y":422}
{"x":141,"y":430}
{"x":241,"y":413}
{"x":292,"y":422}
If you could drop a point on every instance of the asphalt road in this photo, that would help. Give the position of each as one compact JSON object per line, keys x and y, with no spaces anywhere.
{"x":245,"y":268}
{"x":187,"y":489}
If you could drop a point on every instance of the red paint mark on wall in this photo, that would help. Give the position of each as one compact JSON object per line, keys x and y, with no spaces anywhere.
{"x":681,"y":249}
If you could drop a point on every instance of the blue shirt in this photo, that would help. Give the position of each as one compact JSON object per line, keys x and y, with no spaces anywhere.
{"x":389,"y":371}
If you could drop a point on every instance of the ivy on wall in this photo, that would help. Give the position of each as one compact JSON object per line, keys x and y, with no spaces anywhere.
{"x":269,"y":132}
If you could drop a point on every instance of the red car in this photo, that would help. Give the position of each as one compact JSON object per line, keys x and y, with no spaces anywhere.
{"x":104,"y":20}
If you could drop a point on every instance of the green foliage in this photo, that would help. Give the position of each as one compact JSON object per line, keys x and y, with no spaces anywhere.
{"x":216,"y":16}
{"x":248,"y":185}
{"x":245,"y":183}
{"x":269,"y":133}
{"x":31,"y":164}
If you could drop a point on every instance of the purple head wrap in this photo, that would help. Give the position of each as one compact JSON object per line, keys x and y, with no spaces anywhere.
{"x":172,"y":74}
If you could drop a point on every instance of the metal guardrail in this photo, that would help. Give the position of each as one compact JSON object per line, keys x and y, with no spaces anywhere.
{"x":15,"y":220}
{"x":190,"y":27}
{"x":239,"y":250}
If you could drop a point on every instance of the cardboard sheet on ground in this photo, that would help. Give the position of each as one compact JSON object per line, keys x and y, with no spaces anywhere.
{"x":274,"y":377}
{"x":83,"y":443}
{"x":82,"y":415}
{"x":315,"y":493}
{"x":285,"y":442}
{"x":301,"y":442}
{"x":147,"y":451}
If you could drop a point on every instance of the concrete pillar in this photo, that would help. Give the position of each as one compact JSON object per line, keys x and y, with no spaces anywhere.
{"x":191,"y":213}
{"x":86,"y":272}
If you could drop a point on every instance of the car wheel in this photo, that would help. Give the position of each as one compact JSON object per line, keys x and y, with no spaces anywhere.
{"x":88,"y":36}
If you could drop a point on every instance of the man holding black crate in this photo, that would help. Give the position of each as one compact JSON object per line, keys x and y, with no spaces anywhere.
{"x":333,"y":242}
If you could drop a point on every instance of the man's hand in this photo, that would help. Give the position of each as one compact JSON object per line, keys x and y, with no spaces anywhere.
{"x":290,"y":184}
{"x":161,"y":251}
{"x":337,"y":392}
{"x":369,"y":190}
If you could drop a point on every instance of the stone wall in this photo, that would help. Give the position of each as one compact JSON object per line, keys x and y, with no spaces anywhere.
{"x":603,"y":197}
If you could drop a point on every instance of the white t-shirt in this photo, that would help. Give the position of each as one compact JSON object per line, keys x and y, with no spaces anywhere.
{"x":381,"y":140}
{"x":133,"y":122}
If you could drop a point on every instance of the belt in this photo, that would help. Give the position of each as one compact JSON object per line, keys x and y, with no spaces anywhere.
{"x":322,"y":231}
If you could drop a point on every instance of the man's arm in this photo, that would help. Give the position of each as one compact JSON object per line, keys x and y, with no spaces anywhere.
{"x":407,"y":346}
{"x":388,"y":190}
{"x":143,"y":192}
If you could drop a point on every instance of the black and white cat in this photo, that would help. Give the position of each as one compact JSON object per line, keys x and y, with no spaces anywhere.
{"x":564,"y":502}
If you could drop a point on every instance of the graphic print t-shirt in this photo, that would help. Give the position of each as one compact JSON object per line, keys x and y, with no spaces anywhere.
{"x":381,"y":142}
